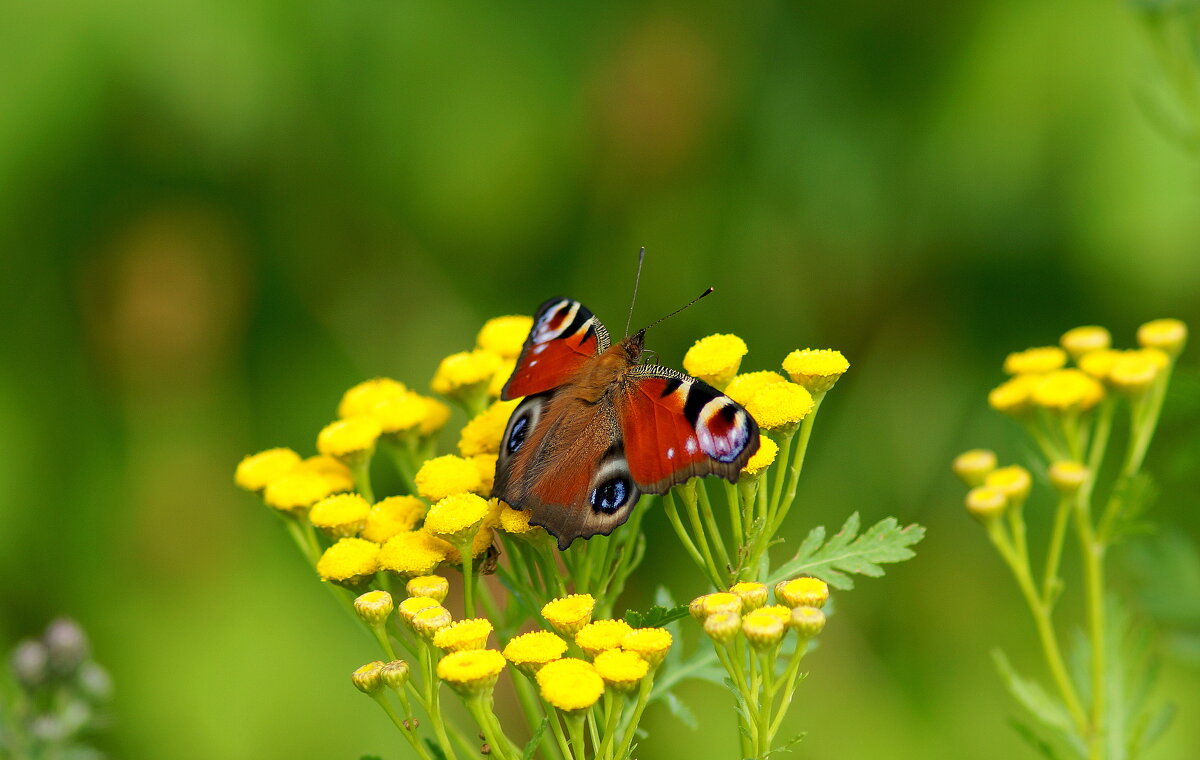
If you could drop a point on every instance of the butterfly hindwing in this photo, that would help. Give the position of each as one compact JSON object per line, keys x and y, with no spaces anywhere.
{"x":565,"y":335}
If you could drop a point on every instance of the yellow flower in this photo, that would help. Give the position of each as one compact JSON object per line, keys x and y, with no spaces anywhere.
{"x":515,"y":521}
{"x":1133,"y":372}
{"x":1013,"y":481}
{"x":599,"y":635}
{"x":505,"y":336}
{"x":763,"y":629}
{"x":500,"y":379}
{"x":1079,"y":341}
{"x":411,"y":606}
{"x":362,"y":398}
{"x":485,"y":465}
{"x":570,"y":613}
{"x":807,"y":621}
{"x":480,"y":543}
{"x":353,"y":436}
{"x":620,"y":669}
{"x":483,"y":433}
{"x":429,"y":621}
{"x":429,"y":586}
{"x":412,"y":553}
{"x":472,"y":671}
{"x":445,"y":475}
{"x":457,"y":517}
{"x":715,"y":359}
{"x":651,"y":643}
{"x":762,"y":459}
{"x":570,"y":684}
{"x":752,"y":594}
{"x":779,"y":406}
{"x":374,"y":607}
{"x":530,"y":651}
{"x":463,"y":634}
{"x":340,"y":515}
{"x":335,"y":472}
{"x":986,"y":503}
{"x":1098,"y":363}
{"x":349,"y":561}
{"x":778,"y":610}
{"x":974,"y":465}
{"x":1068,"y":477}
{"x":746,"y":386}
{"x":812,"y":592}
{"x":257,"y":470}
{"x":1014,"y":396}
{"x":402,"y":413}
{"x":1035,"y":361}
{"x":464,"y":371}
{"x":1167,"y":335}
{"x":392,"y":516}
{"x":721,"y":627}
{"x":297,"y":491}
{"x":817,"y":369}
{"x":1068,"y":389}
{"x":436,"y":416}
{"x":368,"y":678}
{"x":721,"y":602}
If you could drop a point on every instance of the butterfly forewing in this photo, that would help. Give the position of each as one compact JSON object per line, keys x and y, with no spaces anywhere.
{"x":564,"y":337}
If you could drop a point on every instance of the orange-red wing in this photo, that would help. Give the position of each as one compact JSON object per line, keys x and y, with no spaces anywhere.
{"x":675,"y":427}
{"x":565,"y":335}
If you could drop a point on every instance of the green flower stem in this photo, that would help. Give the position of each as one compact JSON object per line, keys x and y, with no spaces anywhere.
{"x":485,"y":718}
{"x":534,"y":711}
{"x":767,"y":675}
{"x":687,"y":493}
{"x":360,"y":470}
{"x":1016,"y":526}
{"x":783,"y":455}
{"x":673,"y":517}
{"x":791,"y":678}
{"x":400,"y":452}
{"x":593,"y":731}
{"x":710,"y":522}
{"x":1093,"y":550}
{"x":408,"y":733}
{"x":612,"y":717}
{"x":643,"y":698}
{"x":733,"y":502}
{"x":574,"y":721}
{"x":545,"y":559}
{"x":385,"y":642}
{"x":1049,"y":448}
{"x":296,"y":531}
{"x":797,"y":466}
{"x":1051,"y":583}
{"x":560,"y":737}
{"x":433,"y":701}
{"x":466,"y":551}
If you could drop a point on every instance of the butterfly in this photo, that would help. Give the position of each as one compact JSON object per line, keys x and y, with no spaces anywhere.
{"x":597,"y":429}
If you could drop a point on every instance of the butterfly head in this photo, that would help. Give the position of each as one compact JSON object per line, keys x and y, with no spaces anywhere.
{"x":633,"y":346}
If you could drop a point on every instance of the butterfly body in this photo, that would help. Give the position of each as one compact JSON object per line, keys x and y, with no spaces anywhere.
{"x":597,"y":429}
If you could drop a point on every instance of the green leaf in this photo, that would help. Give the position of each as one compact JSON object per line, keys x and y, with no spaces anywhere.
{"x":535,"y":741}
{"x":787,"y":746}
{"x":655,"y":617}
{"x":682,"y":711}
{"x":847,"y":552}
{"x":1032,"y":697}
{"x":1041,"y":744}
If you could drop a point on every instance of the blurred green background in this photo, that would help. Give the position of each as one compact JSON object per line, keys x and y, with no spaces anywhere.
{"x":215,"y":215}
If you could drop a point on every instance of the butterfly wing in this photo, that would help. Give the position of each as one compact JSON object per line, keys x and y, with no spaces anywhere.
{"x":675,"y":427}
{"x":565,"y":335}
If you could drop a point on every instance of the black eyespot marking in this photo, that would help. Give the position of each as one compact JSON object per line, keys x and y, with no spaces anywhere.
{"x":610,"y":495}
{"x":516,"y":438}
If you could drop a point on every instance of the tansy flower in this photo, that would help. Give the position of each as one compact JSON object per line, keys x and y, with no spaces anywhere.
{"x":394,"y":674}
{"x":414,"y":604}
{"x":340,"y":515}
{"x":436,"y":416}
{"x":515,"y":521}
{"x":1014,"y":396}
{"x":715,"y":359}
{"x":530,"y":651}
{"x":620,"y":669}
{"x":763,"y":629}
{"x":744,"y":387}
{"x":335,"y":473}
{"x":485,"y":465}
{"x":1068,"y":389}
{"x":297,"y":491}
{"x":374,"y":607}
{"x":362,"y":398}
{"x":752,"y":594}
{"x":402,"y":413}
{"x":570,"y":613}
{"x":1079,"y":341}
{"x":986,"y":503}
{"x":472,"y":671}
{"x":412,"y":553}
{"x":599,"y":635}
{"x":482,"y":540}
{"x":721,"y":627}
{"x":721,"y":602}
{"x":651,"y":643}
{"x":483,"y":433}
{"x":504,"y":336}
{"x":1098,"y":363}
{"x":817,"y":369}
{"x":1133,"y":372}
{"x":762,"y":459}
{"x":1013,"y":481}
{"x":445,"y":475}
{"x":780,"y":406}
{"x":1167,"y":335}
{"x":1068,"y":477}
{"x":465,"y":370}
{"x":368,"y":678}
{"x":463,"y":634}
{"x":430,"y":620}
{"x":349,"y":562}
{"x":500,"y":379}
{"x":257,"y":470}
{"x":1035,"y":361}
{"x":812,"y":592}
{"x":974,"y":465}
{"x":429,"y":586}
{"x":570,"y":684}
{"x":456,"y":517}
{"x":807,"y":621}
{"x":392,"y":516}
{"x":349,"y":438}
{"x":778,"y":610}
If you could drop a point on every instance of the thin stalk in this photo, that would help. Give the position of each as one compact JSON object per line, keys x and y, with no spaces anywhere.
{"x":1050,"y":579}
{"x":1093,"y":574}
{"x":381,"y":700}
{"x":486,"y":721}
{"x":710,"y":522}
{"x":791,"y":678}
{"x":797,"y":465}
{"x":673,"y":517}
{"x":689,"y":503}
{"x":642,"y":700}
{"x":574,"y":723}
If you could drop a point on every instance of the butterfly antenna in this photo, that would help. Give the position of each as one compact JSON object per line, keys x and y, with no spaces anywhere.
{"x":636,"y":279}
{"x":681,"y":308}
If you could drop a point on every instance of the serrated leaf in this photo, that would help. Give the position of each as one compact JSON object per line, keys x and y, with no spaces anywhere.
{"x":682,"y":711}
{"x":847,"y":552}
{"x":535,"y":741}
{"x":1032,"y":697}
{"x":656,"y":616}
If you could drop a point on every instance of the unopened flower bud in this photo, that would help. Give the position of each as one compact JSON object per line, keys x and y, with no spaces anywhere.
{"x":432,"y":586}
{"x":807,"y":621}
{"x":1014,"y":482}
{"x":66,"y":645}
{"x":1067,"y":477}
{"x":763,"y":629}
{"x":722,"y":601}
{"x":985,"y":503}
{"x":797,"y":592}
{"x":374,"y":607}
{"x":752,"y":594}
{"x":974,"y":465}
{"x":1167,"y":335}
{"x":368,"y":678}
{"x":429,"y":621}
{"x":394,"y":674}
{"x":1080,"y":341}
{"x":29,"y":662}
{"x":721,"y":627}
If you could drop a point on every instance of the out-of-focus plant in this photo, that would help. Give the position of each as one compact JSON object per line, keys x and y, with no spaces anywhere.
{"x":56,"y":697}
{"x":1171,"y":98}
{"x":1091,"y":426}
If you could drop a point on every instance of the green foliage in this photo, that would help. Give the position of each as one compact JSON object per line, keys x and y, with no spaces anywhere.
{"x":1045,"y":708}
{"x":848,"y":552}
{"x":535,"y":741}
{"x":655,"y":617}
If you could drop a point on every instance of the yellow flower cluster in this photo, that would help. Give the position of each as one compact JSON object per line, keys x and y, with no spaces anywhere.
{"x":743,"y":610}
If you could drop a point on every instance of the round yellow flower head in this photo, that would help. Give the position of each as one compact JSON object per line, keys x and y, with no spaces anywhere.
{"x":463,"y":634}
{"x":336,"y":474}
{"x":349,"y":562}
{"x":412,"y":553}
{"x":374,"y":607}
{"x":368,"y":678}
{"x":414,"y":604}
{"x":464,"y":371}
{"x":696,"y":607}
{"x":437,"y":415}
{"x":1133,"y":372}
{"x":362,"y":398}
{"x":1014,"y":396}
{"x":721,"y":627}
{"x":456,"y":518}
{"x":817,"y":369}
{"x":394,"y":674}
{"x":620,"y":669}
{"x":721,"y":602}
{"x":500,"y":379}
{"x":392,"y":516}
{"x":530,"y":651}
{"x":428,"y":586}
{"x":471,"y":671}
{"x":430,"y":620}
{"x":515,"y":521}
{"x":257,"y":470}
{"x":1068,"y":477}
{"x":570,"y":685}
{"x":807,"y":621}
{"x":780,"y":406}
{"x":752,"y":594}
{"x":651,"y":643}
{"x":1035,"y":361}
{"x":973,"y":466}
{"x":778,"y":610}
{"x":1098,"y":363}
{"x":1013,"y":481}
{"x":570,"y":613}
{"x":483,"y":433}
{"x":1167,"y":335}
{"x":1079,"y":341}
{"x":715,"y":359}
{"x":762,"y":459}
{"x":401,"y":414}
{"x":986,"y":503}
{"x":349,"y":438}
{"x":1068,"y":389}
{"x":505,"y":336}
{"x":485,"y":465}
{"x":746,"y":386}
{"x":296,"y":491}
{"x":445,"y":475}
{"x":599,"y":635}
{"x":763,"y":629}
{"x":804,"y":591}
{"x":340,"y":515}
